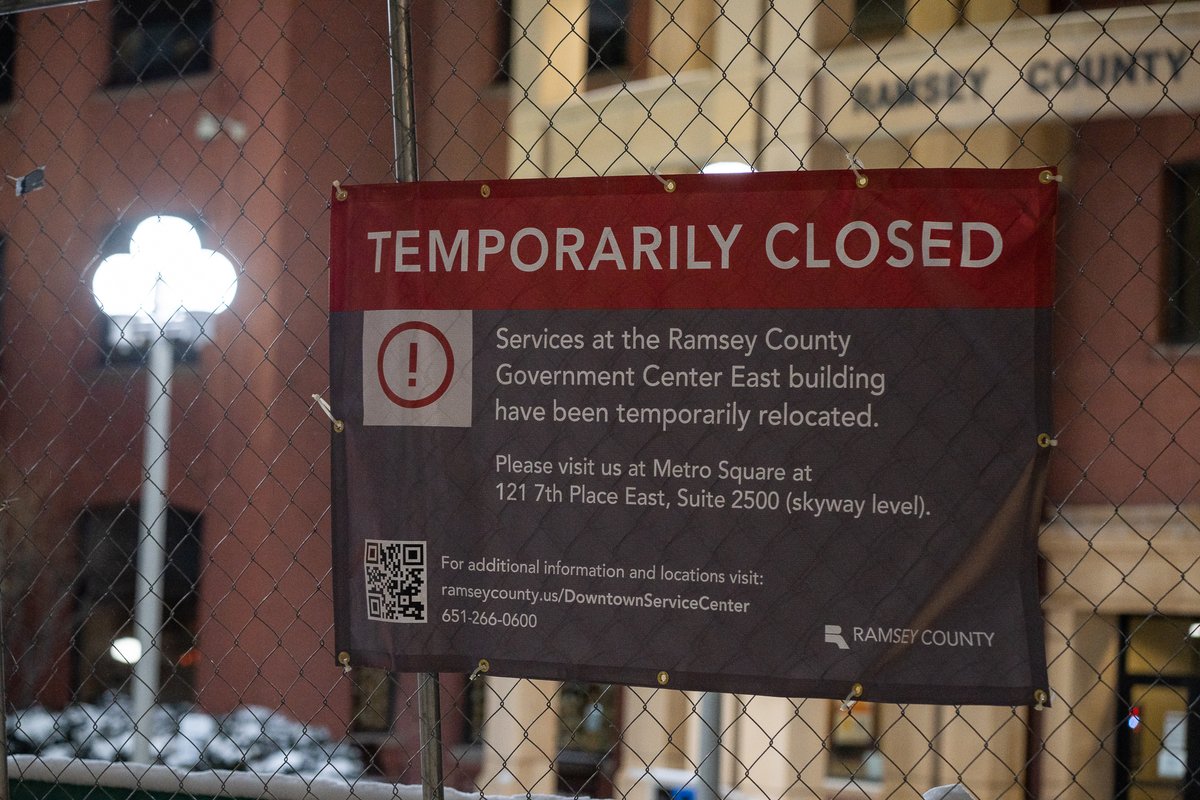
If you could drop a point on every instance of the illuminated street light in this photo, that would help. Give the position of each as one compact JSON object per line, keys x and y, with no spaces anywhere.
{"x":126,"y":650}
{"x":167,"y":286}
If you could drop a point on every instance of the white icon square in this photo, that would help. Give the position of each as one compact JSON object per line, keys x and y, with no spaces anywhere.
{"x":417,"y":368}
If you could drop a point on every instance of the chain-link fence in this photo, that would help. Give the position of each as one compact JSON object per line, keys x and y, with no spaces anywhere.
{"x":236,"y":117}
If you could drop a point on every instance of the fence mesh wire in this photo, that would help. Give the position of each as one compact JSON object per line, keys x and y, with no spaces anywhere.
{"x":236,"y":117}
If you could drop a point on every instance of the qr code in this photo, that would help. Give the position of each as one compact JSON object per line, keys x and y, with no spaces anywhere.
{"x":396,"y":581}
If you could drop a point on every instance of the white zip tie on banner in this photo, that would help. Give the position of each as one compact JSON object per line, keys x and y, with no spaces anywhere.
{"x":338,"y":425}
{"x":856,"y":166}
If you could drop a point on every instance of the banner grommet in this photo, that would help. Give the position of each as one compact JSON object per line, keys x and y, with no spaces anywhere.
{"x":855,"y":692}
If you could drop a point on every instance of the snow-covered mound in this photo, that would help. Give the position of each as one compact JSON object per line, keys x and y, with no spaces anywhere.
{"x":251,"y":738}
{"x":223,"y":784}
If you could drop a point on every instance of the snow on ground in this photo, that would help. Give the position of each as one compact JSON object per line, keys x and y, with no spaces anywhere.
{"x":250,"y":739}
{"x":252,"y":752}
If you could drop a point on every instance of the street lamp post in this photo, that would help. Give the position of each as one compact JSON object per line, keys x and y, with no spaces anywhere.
{"x":166,"y":287}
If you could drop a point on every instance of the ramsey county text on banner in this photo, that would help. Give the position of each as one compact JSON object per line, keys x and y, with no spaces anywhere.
{"x":767,"y":433}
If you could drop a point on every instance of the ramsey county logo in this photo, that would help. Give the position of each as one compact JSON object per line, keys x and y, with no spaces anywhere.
{"x":833,"y":635}
{"x":920,"y":637}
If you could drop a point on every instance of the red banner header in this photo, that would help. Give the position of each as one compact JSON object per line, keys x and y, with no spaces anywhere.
{"x":952,"y":238}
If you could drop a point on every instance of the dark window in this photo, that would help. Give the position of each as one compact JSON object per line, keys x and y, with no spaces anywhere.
{"x":874,"y":18}
{"x":503,"y":41}
{"x":1158,"y":718}
{"x":160,"y":39}
{"x":608,"y":38}
{"x":107,"y":582}
{"x":372,"y":699}
{"x":473,"y":707}
{"x":3,"y":294}
{"x":1060,"y":6}
{"x":1183,"y":248}
{"x":372,"y":709}
{"x":587,"y":738}
{"x":853,"y":752}
{"x":8,"y":56}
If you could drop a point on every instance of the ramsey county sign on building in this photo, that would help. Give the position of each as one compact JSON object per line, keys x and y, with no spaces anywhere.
{"x":1078,"y":68}
{"x":767,"y":433}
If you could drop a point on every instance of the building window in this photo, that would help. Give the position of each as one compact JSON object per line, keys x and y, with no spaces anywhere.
{"x":107,"y":578}
{"x":160,"y":39}
{"x":3,"y":295}
{"x":502,"y":41}
{"x":8,"y":56}
{"x":877,"y":18}
{"x":1064,"y":6}
{"x":853,"y":738}
{"x":587,"y":738}
{"x":608,"y":40}
{"x":1158,"y":727}
{"x":473,"y":707}
{"x":1183,"y":248}
{"x":371,"y":701}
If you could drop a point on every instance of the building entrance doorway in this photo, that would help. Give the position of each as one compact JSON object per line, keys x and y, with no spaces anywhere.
{"x":1158,"y":741}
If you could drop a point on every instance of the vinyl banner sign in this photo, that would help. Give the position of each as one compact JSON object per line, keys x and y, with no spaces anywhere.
{"x":770,"y":433}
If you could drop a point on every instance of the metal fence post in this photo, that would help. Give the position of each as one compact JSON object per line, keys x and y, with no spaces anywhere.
{"x":404,"y":134}
{"x":4,"y":504}
{"x":404,"y":125}
{"x":708,"y":770}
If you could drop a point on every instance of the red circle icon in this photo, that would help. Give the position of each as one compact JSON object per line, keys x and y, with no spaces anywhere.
{"x":422,"y":400}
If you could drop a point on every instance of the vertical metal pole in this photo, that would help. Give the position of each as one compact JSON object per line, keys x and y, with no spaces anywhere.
{"x":933,"y":741}
{"x":404,"y":135}
{"x":708,"y":770}
{"x":429,"y":707}
{"x":152,"y":543}
{"x":404,"y":123}
{"x":3,"y":657}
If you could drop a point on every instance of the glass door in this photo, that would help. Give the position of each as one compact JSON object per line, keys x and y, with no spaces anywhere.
{"x":1158,"y":740}
{"x":1161,"y":756}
